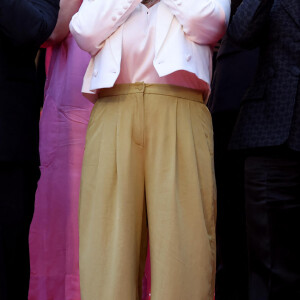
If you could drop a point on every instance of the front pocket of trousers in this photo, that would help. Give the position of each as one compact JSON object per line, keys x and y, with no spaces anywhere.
{"x":207,"y":127}
{"x":102,"y":129}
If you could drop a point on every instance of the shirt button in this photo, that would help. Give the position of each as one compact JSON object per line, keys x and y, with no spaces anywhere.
{"x":188,"y":57}
{"x":114,"y":18}
{"x":95,"y":73}
{"x":120,"y":13}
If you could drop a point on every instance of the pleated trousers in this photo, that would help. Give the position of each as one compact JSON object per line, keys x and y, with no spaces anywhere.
{"x":148,"y":167}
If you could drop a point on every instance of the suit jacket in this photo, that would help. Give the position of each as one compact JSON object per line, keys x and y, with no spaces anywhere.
{"x":235,"y":69}
{"x":24,"y":26}
{"x":182,"y":42}
{"x":269,"y":115}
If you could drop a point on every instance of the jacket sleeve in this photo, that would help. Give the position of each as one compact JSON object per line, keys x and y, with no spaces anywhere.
{"x":203,"y":21}
{"x":96,"y":20}
{"x":28,"y":21}
{"x":249,"y":22}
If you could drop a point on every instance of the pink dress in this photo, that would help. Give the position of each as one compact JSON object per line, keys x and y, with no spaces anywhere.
{"x":53,"y":238}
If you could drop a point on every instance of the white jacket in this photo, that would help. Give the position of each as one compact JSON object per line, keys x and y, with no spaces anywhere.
{"x":186,"y":31}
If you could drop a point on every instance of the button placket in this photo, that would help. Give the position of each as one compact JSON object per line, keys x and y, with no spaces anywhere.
{"x":138,"y":126}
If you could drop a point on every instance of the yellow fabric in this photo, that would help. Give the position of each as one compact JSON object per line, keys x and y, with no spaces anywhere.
{"x":148,"y":163}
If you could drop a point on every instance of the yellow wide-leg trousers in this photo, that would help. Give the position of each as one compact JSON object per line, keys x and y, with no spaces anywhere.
{"x":148,"y":165}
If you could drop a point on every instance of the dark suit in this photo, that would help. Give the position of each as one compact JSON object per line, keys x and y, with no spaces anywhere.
{"x":24,"y":25}
{"x":268,"y":128}
{"x":272,"y":96}
{"x":235,"y":69}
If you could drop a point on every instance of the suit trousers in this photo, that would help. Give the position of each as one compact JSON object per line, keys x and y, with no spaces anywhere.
{"x":232,"y":254}
{"x":148,"y":166}
{"x":17,"y":185}
{"x":272,"y":185}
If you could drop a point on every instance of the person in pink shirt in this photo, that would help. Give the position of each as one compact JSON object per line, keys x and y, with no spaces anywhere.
{"x":148,"y":162}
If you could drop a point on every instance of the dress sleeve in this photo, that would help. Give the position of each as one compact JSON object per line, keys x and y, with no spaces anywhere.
{"x":28,"y":22}
{"x":203,"y":21}
{"x":96,"y":20}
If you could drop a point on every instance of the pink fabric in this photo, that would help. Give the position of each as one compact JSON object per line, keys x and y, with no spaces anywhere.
{"x":53,"y":239}
{"x":138,"y":53}
{"x":53,"y":236}
{"x":48,"y":59}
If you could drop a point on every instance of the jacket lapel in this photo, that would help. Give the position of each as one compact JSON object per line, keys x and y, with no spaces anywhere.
{"x":293,"y":9}
{"x":164,"y":19}
{"x":228,"y":47}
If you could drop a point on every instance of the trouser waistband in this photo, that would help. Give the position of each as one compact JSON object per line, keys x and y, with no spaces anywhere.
{"x":146,"y":88}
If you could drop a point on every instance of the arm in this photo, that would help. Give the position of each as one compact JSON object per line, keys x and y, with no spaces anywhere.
{"x":67,"y":9}
{"x":203,"y":21}
{"x":96,"y":20}
{"x":248,"y":23}
{"x":28,"y":21}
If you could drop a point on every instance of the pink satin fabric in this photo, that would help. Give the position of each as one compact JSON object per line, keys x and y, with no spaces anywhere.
{"x":53,"y":239}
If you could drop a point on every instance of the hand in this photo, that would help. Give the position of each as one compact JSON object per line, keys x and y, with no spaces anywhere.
{"x":67,"y":9}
